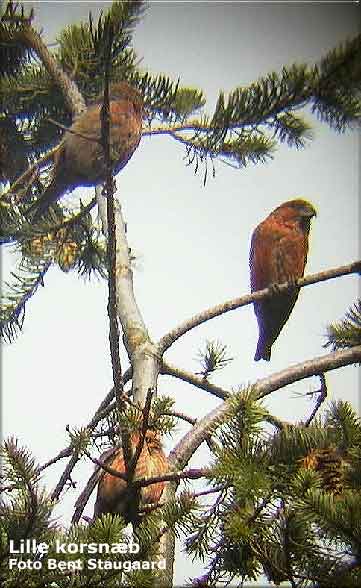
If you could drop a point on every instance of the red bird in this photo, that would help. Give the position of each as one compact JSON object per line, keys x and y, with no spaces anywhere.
{"x":278,"y":254}
{"x":80,"y":159}
{"x":117,"y":497}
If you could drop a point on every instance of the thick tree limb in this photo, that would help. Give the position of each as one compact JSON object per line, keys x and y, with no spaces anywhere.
{"x":142,"y":352}
{"x":72,"y":96}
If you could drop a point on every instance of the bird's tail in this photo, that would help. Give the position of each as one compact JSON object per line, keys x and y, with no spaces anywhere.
{"x":37,"y":210}
{"x":263,"y":350}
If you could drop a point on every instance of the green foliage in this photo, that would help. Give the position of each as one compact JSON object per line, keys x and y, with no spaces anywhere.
{"x":25,"y":509}
{"x":347,"y":332}
{"x":213,"y":358}
{"x":25,"y":283}
{"x":292,"y":129}
{"x":337,"y":85}
{"x":346,"y":426}
{"x":120,"y":20}
{"x":26,"y":513}
{"x":278,"y":509}
{"x":14,"y":53}
{"x":130,"y":420}
{"x":82,"y":46}
{"x":286,"y":502}
{"x":244,"y":127}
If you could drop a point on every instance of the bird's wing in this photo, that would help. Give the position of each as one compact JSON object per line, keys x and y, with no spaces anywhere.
{"x":278,"y":254}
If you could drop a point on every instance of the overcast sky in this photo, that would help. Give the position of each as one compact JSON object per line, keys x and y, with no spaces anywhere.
{"x":192,"y":241}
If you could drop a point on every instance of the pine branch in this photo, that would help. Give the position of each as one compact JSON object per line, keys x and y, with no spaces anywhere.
{"x":167,"y":340}
{"x":270,"y":102}
{"x":16,"y":191}
{"x":213,"y":358}
{"x":332,"y":87}
{"x":347,"y":332}
{"x":28,"y":512}
{"x":337,"y":93}
{"x":263,"y":387}
{"x":121,"y":19}
{"x":13,"y":54}
{"x":14,"y":304}
{"x":341,"y":417}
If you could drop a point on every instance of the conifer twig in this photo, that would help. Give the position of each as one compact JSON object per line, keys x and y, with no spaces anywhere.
{"x":72,"y":132}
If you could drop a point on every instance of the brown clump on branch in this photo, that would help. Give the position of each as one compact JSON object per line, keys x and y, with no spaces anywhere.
{"x":80,"y":159}
{"x":120,"y":496}
{"x":330,"y":464}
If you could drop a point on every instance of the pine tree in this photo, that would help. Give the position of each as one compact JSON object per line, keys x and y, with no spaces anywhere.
{"x":283,"y":500}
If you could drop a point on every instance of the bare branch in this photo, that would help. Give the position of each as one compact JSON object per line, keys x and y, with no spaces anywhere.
{"x":180,"y":415}
{"x":167,"y":340}
{"x":169,"y":370}
{"x":184,"y":450}
{"x":209,"y":491}
{"x":322,"y":392}
{"x":191,"y":474}
{"x":142,"y":352}
{"x":85,"y":495}
{"x":72,"y":132}
{"x":65,"y":476}
{"x":99,"y":414}
{"x":108,"y":192}
{"x":103,"y":464}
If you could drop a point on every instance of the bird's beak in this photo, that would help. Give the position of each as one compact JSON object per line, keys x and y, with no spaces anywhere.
{"x":309,"y":212}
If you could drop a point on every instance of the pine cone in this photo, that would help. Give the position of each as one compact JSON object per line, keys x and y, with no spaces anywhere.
{"x":330,"y":464}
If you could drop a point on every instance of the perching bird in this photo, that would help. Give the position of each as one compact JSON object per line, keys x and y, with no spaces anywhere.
{"x":278,"y":254}
{"x":116,"y":497}
{"x":80,"y":159}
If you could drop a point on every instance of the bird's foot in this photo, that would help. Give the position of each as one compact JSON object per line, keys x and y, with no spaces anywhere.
{"x":274,"y":289}
{"x":292,"y":286}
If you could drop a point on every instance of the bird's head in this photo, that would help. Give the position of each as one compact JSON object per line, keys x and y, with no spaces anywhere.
{"x":123,"y":91}
{"x":151,"y":440}
{"x":296,"y":211}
